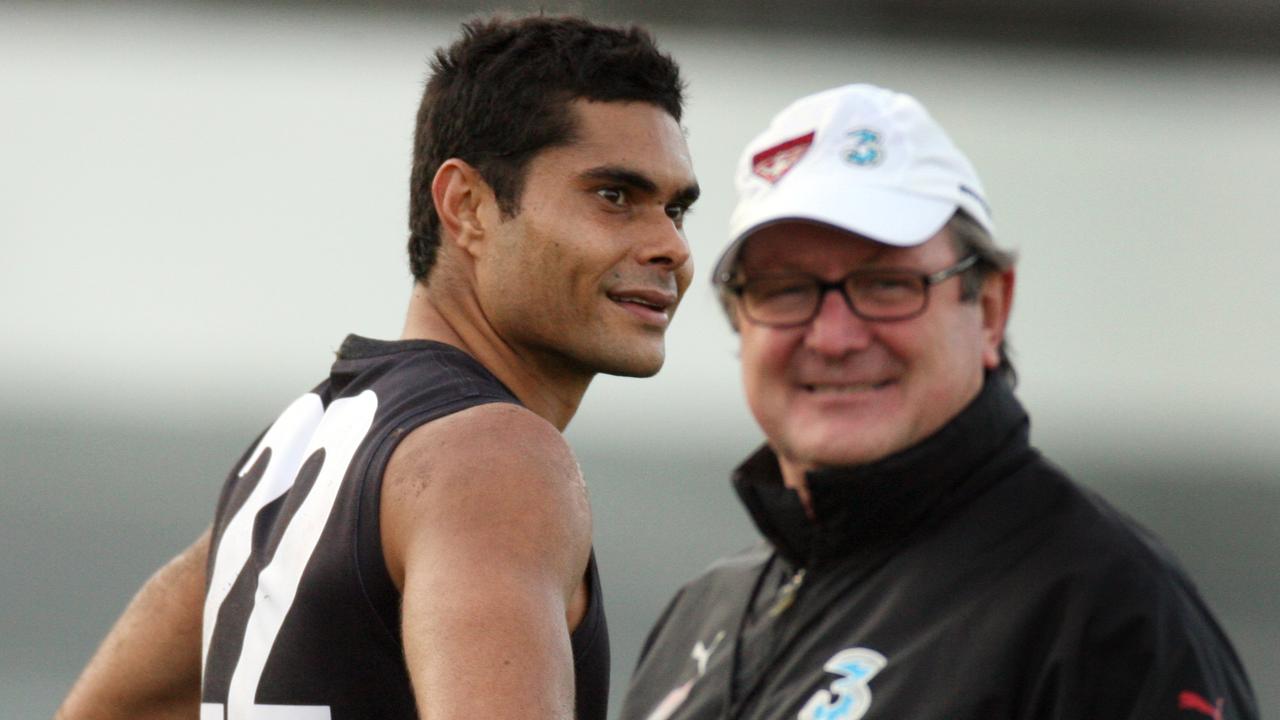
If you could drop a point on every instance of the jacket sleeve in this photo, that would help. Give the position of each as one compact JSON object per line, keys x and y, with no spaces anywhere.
{"x":1147,"y":647}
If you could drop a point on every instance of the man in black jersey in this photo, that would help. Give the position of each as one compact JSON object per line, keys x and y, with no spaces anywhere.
{"x":412,"y":537}
{"x":920,"y":559}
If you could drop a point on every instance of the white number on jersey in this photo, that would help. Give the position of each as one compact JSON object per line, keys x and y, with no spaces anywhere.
{"x":302,"y":429}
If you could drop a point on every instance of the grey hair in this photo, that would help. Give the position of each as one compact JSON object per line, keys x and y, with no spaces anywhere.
{"x":968,"y":237}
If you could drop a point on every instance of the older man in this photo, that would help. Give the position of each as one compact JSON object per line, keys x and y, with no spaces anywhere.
{"x":921,"y":560}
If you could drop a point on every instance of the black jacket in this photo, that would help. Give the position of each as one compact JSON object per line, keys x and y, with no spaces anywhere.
{"x":963,"y":578}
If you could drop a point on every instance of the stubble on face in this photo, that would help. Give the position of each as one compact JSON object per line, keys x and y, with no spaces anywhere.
{"x":844,"y":391}
{"x":587,"y":275}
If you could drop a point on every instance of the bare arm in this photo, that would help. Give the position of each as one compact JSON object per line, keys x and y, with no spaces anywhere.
{"x":487,"y":530}
{"x":149,"y":664}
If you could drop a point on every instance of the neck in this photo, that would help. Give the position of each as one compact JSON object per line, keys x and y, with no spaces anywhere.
{"x":793,"y":476}
{"x":554,"y":393}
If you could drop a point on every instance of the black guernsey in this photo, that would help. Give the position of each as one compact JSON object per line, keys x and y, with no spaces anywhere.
{"x":965,"y":578}
{"x":301,"y":618}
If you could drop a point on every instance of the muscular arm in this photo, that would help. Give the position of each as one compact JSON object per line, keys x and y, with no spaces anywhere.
{"x":487,"y":531}
{"x":149,"y":664}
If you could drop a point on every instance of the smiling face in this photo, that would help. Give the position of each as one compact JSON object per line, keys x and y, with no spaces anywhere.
{"x":845,"y":391}
{"x":586,"y":275}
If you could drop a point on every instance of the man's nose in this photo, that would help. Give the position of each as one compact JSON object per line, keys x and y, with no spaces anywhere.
{"x":665,"y":245}
{"x":835,"y":331}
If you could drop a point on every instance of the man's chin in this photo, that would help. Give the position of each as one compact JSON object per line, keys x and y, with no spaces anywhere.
{"x":639,"y":363}
{"x":841,"y":449}
{"x":636,"y":370}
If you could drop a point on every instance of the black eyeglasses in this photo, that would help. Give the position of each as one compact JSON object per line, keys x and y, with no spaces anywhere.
{"x":793,"y":299}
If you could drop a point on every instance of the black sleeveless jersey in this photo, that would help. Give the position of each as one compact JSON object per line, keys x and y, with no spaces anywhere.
{"x":301,"y":617}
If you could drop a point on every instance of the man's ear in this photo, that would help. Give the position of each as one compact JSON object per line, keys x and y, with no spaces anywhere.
{"x":460,"y":195}
{"x":996,"y":302}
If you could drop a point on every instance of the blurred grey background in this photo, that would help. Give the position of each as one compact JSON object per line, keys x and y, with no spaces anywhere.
{"x":198,"y":200}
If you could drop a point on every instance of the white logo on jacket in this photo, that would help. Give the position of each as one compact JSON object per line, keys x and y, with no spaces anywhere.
{"x":674,"y":699}
{"x":849,"y":698}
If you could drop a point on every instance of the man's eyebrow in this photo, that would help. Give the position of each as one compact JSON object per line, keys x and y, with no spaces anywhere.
{"x":622,"y":176}
{"x":688,"y":195}
{"x":639,"y":181}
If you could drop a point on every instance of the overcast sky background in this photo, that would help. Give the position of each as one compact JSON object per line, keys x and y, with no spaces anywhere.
{"x":197,"y":204}
{"x":192,"y":197}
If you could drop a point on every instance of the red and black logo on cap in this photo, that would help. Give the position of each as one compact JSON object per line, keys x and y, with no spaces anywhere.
{"x":773,"y":163}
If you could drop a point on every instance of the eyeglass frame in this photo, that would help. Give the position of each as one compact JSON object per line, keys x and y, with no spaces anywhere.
{"x":927,"y":281}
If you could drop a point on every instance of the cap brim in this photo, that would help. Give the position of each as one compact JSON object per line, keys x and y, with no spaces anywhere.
{"x":884,"y":215}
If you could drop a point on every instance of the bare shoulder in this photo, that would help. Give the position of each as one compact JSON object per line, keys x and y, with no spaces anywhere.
{"x":494,"y":448}
{"x":482,"y":439}
{"x":491,"y":478}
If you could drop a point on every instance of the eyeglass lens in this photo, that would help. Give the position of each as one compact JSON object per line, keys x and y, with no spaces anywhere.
{"x":872,"y":295}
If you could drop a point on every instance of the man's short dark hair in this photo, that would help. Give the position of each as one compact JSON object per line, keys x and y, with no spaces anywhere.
{"x":500,"y":94}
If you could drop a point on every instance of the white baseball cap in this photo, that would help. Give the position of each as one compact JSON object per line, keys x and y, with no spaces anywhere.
{"x":858,"y":158}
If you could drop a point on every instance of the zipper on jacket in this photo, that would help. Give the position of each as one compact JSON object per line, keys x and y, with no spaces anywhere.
{"x":787,"y":594}
{"x":737,"y":703}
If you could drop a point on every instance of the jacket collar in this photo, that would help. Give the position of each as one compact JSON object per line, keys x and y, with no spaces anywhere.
{"x":880,"y":503}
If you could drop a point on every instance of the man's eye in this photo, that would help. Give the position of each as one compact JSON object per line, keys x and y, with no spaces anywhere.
{"x":779,"y":289}
{"x":613,"y":196}
{"x":677,"y":212}
{"x":886,"y":288}
{"x":889,"y":283}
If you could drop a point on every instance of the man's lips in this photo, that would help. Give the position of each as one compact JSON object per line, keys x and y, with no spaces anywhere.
{"x":844,"y":387}
{"x":647,"y":303}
